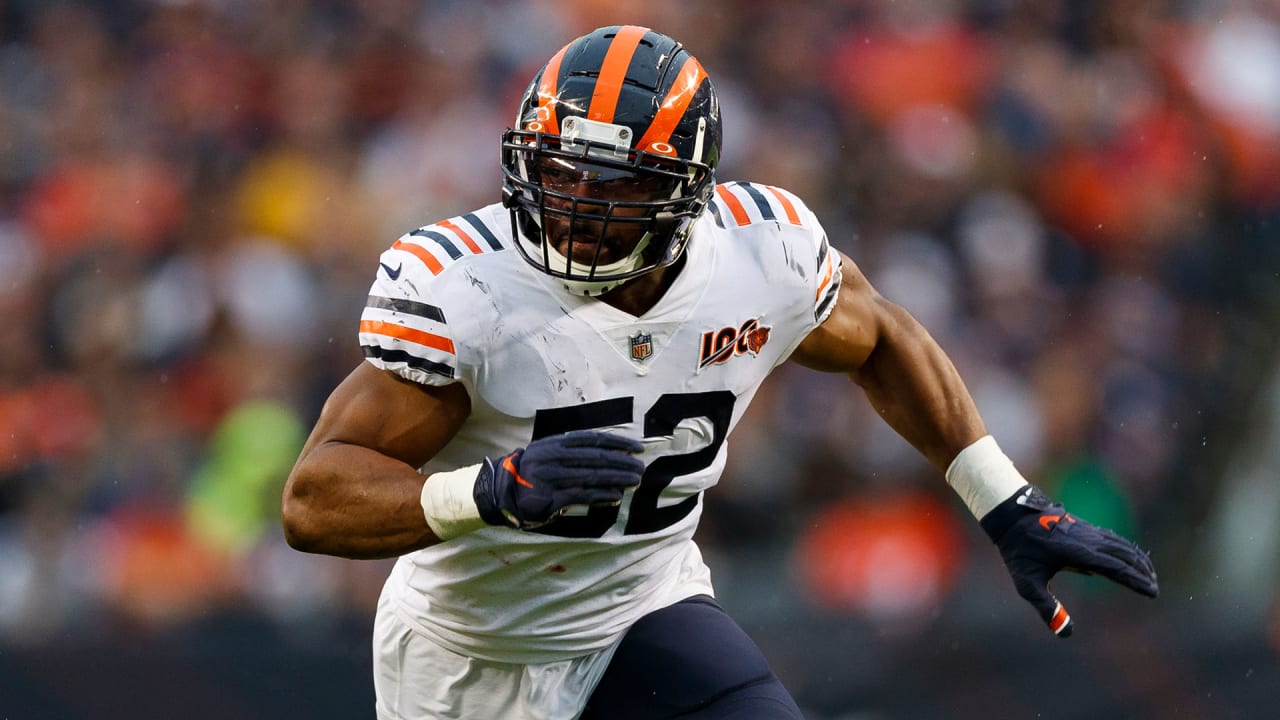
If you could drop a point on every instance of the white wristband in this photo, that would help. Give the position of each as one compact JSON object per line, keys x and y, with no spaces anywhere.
{"x":448,"y":503}
{"x":983,"y":476}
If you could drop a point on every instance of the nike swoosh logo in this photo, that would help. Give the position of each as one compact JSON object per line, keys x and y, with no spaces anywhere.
{"x":393,"y":274}
{"x":511,"y":468}
{"x":1048,"y":521}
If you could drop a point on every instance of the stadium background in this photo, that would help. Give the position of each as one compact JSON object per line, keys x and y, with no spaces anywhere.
{"x":1079,"y":199}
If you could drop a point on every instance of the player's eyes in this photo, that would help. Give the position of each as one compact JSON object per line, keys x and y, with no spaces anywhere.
{"x":555,"y":177}
{"x":600,"y":183}
{"x":569,"y":176}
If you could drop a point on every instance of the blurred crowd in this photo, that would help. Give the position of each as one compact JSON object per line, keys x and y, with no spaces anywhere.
{"x":1079,"y":199}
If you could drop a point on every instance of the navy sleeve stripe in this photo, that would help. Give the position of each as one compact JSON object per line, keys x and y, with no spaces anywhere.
{"x":413,"y":361}
{"x":822,"y":253}
{"x":715,"y":212}
{"x":483,"y":229}
{"x":441,"y":240}
{"x":408,"y":307}
{"x":766,"y":210}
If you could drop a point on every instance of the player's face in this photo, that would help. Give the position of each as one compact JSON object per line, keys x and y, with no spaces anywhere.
{"x":595,"y":186}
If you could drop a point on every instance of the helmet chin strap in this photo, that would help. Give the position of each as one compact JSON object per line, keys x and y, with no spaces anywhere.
{"x":525,"y":225}
{"x":665,"y":222}
{"x":593,"y":288}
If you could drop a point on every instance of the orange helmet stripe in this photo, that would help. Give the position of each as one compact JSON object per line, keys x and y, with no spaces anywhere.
{"x":674,"y":104}
{"x":547,"y":92}
{"x":604,"y":100}
{"x":400,"y":332}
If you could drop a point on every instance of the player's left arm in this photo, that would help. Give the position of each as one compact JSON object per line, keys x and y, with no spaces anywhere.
{"x":913,"y":385}
{"x":907,"y":377}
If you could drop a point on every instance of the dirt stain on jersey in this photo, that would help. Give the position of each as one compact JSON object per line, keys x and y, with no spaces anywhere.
{"x":477,"y":282}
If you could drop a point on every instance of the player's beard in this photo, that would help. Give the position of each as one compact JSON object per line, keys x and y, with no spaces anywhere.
{"x":586,"y":236}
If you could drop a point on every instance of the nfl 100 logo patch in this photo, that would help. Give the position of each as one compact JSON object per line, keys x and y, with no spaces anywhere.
{"x":641,"y":346}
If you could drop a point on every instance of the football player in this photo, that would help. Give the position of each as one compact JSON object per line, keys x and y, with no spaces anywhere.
{"x":549,"y":388}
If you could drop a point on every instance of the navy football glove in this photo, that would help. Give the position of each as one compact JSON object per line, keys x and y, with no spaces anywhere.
{"x":536,"y":484}
{"x":1037,"y":538}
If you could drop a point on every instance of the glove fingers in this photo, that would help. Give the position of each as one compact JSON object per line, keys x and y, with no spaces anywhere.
{"x":1116,"y":559}
{"x":600,"y":459}
{"x":611,"y":479}
{"x":1129,"y":552}
{"x":607,"y":494}
{"x":537,"y":508}
{"x":1032,"y":583}
{"x":1136,"y":560}
{"x":537,"y":458}
{"x":570,"y":480}
{"x":603,"y":497}
{"x":1132,"y":557}
{"x":1139,"y":582}
{"x":597,"y":439}
{"x":1124,"y":570}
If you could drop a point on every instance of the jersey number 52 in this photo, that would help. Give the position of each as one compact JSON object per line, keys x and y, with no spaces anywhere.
{"x":660,"y":420}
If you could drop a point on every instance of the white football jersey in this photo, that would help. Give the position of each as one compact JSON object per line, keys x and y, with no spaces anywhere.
{"x":455,"y":302}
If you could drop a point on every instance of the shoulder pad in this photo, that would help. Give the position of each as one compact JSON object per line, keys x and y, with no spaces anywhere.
{"x":404,"y":328}
{"x":738,"y":204}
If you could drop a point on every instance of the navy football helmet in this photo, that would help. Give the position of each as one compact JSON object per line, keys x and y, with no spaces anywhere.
{"x":612,"y":158}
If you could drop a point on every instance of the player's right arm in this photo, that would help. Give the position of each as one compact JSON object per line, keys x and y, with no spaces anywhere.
{"x":355,"y":490}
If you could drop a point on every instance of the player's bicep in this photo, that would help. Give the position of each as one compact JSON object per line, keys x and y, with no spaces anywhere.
{"x":845,"y":339}
{"x":379,"y":410}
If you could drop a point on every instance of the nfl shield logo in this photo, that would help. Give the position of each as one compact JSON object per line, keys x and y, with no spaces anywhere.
{"x":641,"y":346}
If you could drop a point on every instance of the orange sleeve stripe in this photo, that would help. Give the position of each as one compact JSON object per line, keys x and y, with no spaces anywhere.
{"x":431,"y":340}
{"x":604,"y":99}
{"x":421,"y":253}
{"x":826,"y":279}
{"x":735,"y":205}
{"x":547,"y":93}
{"x":674,"y":104}
{"x":466,"y":239}
{"x":787,"y":206}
